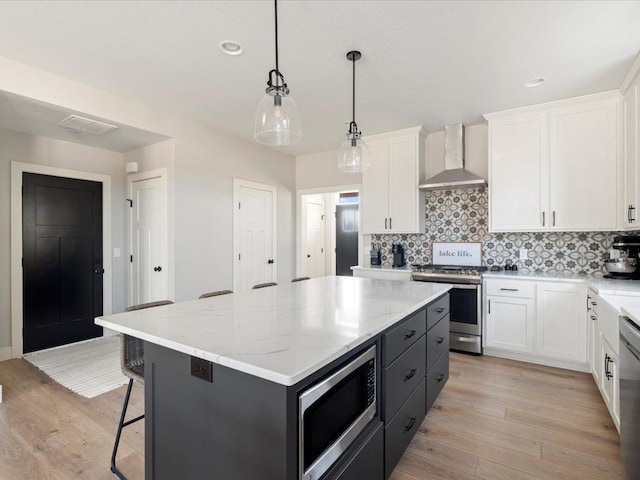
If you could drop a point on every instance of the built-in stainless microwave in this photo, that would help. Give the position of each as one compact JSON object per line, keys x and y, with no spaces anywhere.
{"x":333,"y":412}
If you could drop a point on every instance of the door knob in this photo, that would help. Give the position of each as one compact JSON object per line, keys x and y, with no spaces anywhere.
{"x":157,"y":269}
{"x":270,"y":261}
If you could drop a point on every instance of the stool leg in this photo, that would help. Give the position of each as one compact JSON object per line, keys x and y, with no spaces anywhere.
{"x":114,"y":469}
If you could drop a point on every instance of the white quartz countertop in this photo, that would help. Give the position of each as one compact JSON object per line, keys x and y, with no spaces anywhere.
{"x":378,"y":268}
{"x":283,"y":333}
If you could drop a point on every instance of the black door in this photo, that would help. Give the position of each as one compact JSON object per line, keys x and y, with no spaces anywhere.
{"x":62,"y":260}
{"x":346,"y":238}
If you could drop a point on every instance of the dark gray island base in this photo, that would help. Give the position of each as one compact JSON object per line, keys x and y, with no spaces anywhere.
{"x":241,"y":427}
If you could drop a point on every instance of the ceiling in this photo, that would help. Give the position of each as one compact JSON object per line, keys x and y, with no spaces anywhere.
{"x":27,"y":115}
{"x":424,"y":62}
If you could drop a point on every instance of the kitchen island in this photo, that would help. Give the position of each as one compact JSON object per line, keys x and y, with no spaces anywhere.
{"x":223,"y":374}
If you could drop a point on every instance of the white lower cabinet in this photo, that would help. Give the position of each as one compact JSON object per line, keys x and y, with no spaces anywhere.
{"x":609,"y":379}
{"x":544,"y":322}
{"x":510,"y":323}
{"x":593,"y":335}
{"x":561,"y":330}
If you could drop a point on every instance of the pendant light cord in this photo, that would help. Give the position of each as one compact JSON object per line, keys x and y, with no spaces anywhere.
{"x":353,"y":97}
{"x":276,"y":13}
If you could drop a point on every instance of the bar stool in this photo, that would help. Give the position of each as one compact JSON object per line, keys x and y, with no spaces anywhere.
{"x":132,"y":364}
{"x":300,"y":279}
{"x":263,"y":285}
{"x":215,"y":294}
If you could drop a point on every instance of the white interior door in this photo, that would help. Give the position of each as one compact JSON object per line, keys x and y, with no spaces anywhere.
{"x":254,"y":241}
{"x":315,"y":245}
{"x":148,"y":243}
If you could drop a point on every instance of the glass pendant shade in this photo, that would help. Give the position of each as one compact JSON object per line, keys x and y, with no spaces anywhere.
{"x":277,"y":121}
{"x":353,"y":156}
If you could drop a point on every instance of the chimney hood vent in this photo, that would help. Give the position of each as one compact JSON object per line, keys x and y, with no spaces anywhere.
{"x":454,"y":175}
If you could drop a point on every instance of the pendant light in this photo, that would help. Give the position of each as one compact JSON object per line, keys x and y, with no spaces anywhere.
{"x":277,"y":120}
{"x":353,"y":156}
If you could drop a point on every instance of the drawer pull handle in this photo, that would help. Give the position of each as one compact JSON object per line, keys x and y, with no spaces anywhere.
{"x":594,"y":318}
{"x":440,"y":340}
{"x":440,"y":310}
{"x":594,"y":304}
{"x":408,"y":427}
{"x":440,"y":378}
{"x":410,"y":375}
{"x":409,"y":335}
{"x":509,"y":289}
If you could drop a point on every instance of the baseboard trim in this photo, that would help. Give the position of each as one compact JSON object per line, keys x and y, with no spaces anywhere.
{"x":530,"y":358}
{"x":5,"y":353}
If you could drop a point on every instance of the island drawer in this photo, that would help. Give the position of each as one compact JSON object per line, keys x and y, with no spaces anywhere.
{"x":437,"y":310}
{"x":437,"y":341}
{"x":402,"y":428}
{"x":366,"y":462}
{"x":403,"y":336}
{"x":402,"y":376}
{"x":436,"y":378}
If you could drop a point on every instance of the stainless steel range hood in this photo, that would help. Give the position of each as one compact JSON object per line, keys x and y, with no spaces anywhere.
{"x":454,"y":175}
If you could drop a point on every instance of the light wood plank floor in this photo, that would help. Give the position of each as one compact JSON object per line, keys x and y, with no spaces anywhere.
{"x":495,"y":420}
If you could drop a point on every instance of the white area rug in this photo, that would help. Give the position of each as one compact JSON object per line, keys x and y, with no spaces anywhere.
{"x":87,"y":368}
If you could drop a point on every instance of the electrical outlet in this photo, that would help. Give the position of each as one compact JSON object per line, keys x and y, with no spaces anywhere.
{"x":202,"y":369}
{"x":523,"y":254}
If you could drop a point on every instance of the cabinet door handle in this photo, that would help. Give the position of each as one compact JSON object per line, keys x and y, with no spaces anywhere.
{"x":440,"y":340}
{"x":594,"y":318}
{"x":633,"y":217}
{"x":489,"y":312}
{"x":629,"y":214}
{"x":554,"y":218}
{"x":543,"y":218}
{"x":390,"y":227}
{"x":385,"y":223}
{"x":588,"y":298}
{"x":409,"y":335}
{"x":594,"y":304}
{"x":410,"y":375}
{"x":440,"y":310}
{"x":410,"y":425}
{"x":440,"y":378}
{"x":509,"y":289}
{"x":607,"y":361}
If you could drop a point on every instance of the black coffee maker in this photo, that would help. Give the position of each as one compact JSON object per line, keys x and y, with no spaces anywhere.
{"x":398,"y":255}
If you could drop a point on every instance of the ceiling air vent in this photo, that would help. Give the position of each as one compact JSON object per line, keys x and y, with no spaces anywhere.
{"x":79,"y":124}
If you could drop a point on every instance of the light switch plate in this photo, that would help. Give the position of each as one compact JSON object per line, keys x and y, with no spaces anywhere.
{"x":523,"y":254}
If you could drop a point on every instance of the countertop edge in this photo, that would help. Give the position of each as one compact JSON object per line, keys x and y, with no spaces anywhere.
{"x":286,"y":380}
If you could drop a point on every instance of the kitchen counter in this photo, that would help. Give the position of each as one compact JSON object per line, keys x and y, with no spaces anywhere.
{"x":378,"y":268}
{"x":283,"y":333}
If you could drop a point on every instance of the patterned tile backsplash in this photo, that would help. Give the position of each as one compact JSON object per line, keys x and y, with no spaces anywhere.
{"x":462,"y":216}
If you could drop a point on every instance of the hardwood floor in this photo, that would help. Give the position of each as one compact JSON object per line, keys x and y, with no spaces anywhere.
{"x":495,"y":420}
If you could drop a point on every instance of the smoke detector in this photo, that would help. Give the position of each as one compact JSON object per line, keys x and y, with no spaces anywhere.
{"x":79,"y":124}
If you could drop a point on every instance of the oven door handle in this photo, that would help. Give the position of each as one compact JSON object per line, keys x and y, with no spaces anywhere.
{"x":465,"y":286}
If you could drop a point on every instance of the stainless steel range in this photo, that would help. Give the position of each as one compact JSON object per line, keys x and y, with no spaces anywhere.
{"x":466,"y":294}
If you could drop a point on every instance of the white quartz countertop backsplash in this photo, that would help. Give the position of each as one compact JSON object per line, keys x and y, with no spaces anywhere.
{"x":283,"y":333}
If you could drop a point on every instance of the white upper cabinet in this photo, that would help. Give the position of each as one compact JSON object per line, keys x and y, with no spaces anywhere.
{"x":631,"y":132}
{"x":583,"y":160}
{"x":391,"y":201}
{"x":555,"y":166}
{"x":518,"y":171}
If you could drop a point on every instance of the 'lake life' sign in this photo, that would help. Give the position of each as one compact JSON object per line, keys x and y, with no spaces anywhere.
{"x":463,"y":254}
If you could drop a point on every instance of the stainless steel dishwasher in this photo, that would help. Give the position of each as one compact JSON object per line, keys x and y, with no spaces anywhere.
{"x":630,"y":396}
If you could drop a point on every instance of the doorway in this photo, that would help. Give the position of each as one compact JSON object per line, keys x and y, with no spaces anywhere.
{"x":254,"y":239}
{"x":148,"y":270}
{"x":62,"y":255}
{"x":335,"y":255}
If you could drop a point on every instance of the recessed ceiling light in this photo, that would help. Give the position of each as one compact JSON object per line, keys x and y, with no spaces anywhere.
{"x":230,"y":47}
{"x":534,"y":82}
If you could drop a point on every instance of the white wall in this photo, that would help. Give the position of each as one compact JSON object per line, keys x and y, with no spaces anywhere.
{"x":318,"y":170}
{"x":22,"y":147}
{"x":201,"y":163}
